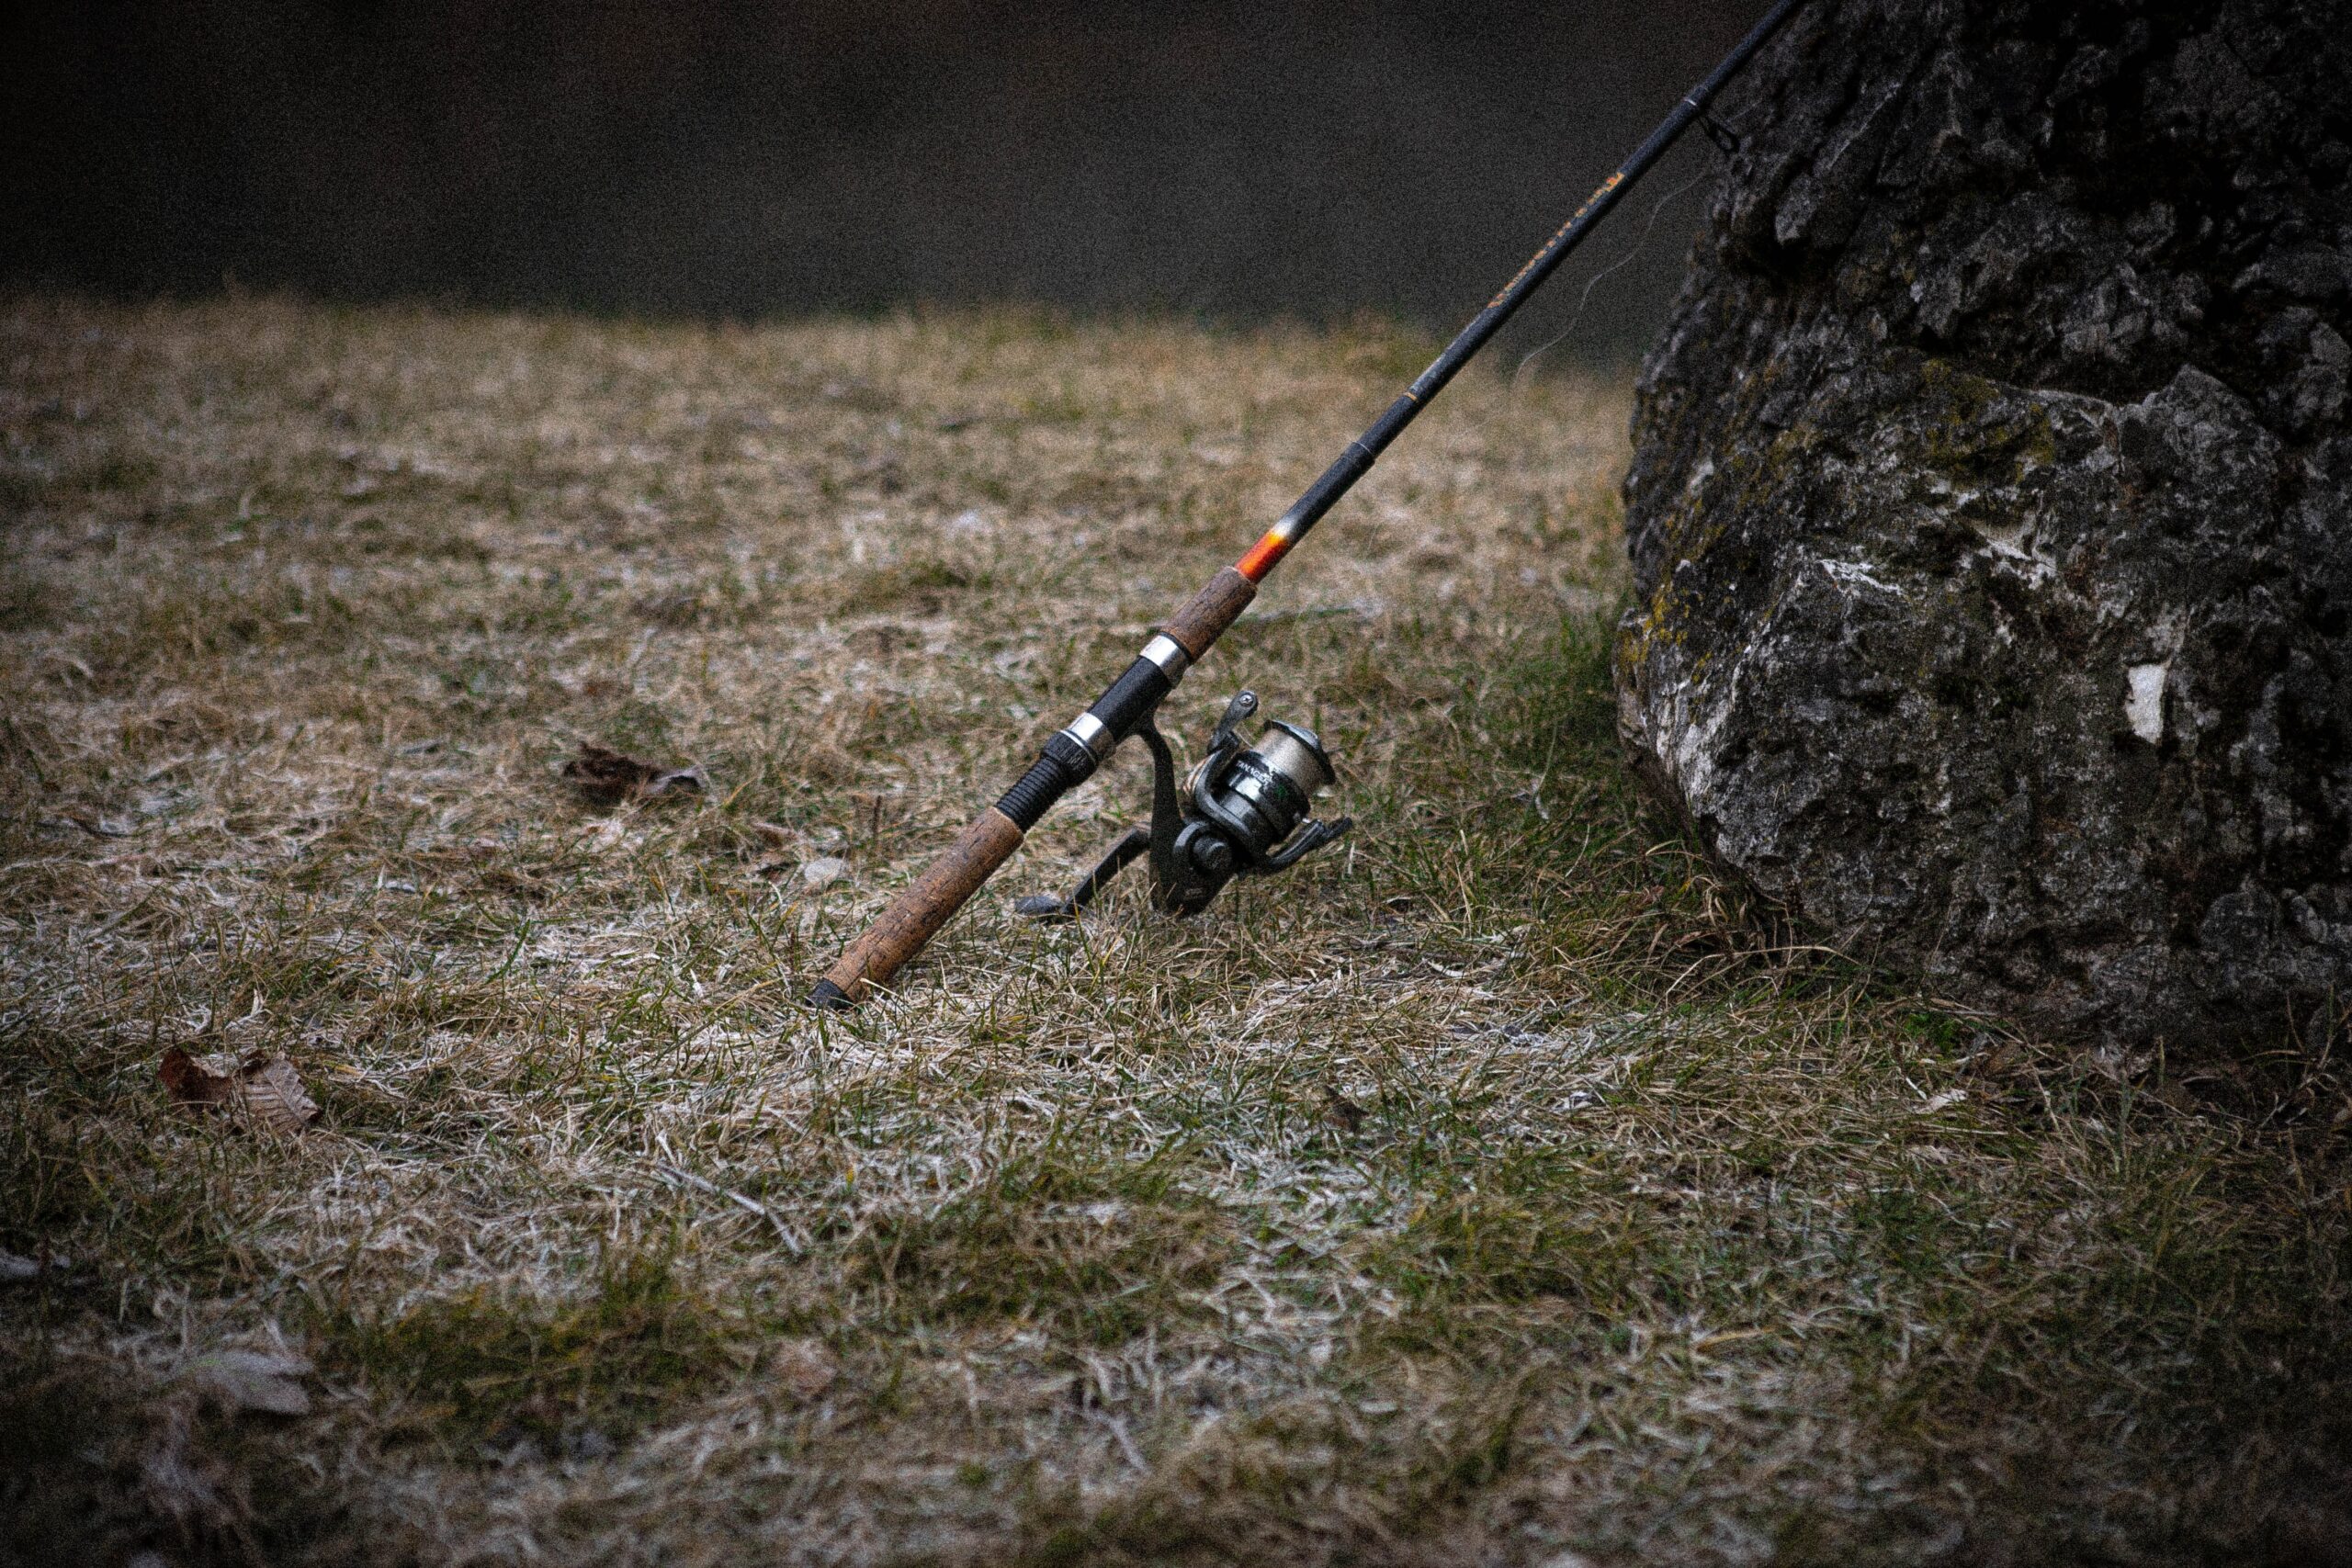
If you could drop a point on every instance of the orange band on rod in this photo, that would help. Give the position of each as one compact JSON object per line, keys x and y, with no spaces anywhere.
{"x":1262,"y":557}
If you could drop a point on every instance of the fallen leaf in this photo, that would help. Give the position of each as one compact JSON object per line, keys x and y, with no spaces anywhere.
{"x":265,"y":1089}
{"x":677,"y":782}
{"x":190,"y":1082}
{"x":823,"y":872}
{"x":772,"y":835}
{"x":804,"y":1366}
{"x":252,"y":1380}
{"x":15,"y":1270}
{"x":274,"y":1095}
{"x":608,"y":777}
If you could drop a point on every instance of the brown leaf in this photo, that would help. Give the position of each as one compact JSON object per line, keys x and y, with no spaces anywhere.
{"x":252,"y":1380}
{"x":190,"y":1082}
{"x":266,"y":1088}
{"x":678,"y":782}
{"x":1342,"y":1111}
{"x":274,"y":1095}
{"x":608,"y":777}
{"x":803,"y":1367}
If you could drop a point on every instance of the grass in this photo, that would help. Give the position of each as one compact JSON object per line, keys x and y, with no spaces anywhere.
{"x":1497,"y":1188}
{"x":481,"y":1365}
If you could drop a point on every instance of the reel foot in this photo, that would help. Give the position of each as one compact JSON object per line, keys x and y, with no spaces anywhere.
{"x":1045,"y":907}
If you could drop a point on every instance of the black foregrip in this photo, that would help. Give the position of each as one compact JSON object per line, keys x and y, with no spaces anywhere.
{"x":1131,"y":698}
{"x":1063,"y":764}
{"x":1034,"y":794}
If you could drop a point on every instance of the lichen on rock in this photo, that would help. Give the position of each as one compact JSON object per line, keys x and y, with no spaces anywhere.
{"x":1991,"y":511}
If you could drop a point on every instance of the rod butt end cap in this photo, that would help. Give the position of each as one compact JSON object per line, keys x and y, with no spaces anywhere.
{"x":828,"y":998}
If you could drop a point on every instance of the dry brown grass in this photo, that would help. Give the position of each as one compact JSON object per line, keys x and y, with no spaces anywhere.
{"x":1480,"y":1193}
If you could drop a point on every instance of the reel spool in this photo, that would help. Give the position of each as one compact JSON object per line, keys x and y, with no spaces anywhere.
{"x":1243,"y":812}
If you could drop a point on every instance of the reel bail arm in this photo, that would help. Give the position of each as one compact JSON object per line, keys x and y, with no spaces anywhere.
{"x":1242,"y":814}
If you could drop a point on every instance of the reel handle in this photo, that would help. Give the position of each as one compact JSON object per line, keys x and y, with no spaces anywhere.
{"x":929,"y":902}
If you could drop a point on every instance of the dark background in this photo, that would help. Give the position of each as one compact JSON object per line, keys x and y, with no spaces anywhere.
{"x":739,"y":159}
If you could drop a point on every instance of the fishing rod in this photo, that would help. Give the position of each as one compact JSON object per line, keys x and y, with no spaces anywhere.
{"x":1244,"y":811}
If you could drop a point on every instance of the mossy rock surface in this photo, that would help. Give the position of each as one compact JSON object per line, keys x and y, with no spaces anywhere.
{"x":1990,"y":515}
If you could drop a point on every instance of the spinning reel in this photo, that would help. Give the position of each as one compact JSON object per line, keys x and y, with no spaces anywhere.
{"x":1242,"y":813}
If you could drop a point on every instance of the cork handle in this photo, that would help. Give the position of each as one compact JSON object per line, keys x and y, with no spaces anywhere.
{"x":1203,"y":620}
{"x":915,"y":916}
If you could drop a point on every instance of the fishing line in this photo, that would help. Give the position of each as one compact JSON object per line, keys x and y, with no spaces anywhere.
{"x":1595,"y":280}
{"x":1518,"y":376}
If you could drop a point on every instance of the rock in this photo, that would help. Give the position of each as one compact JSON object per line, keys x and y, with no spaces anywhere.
{"x":1990,"y":509}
